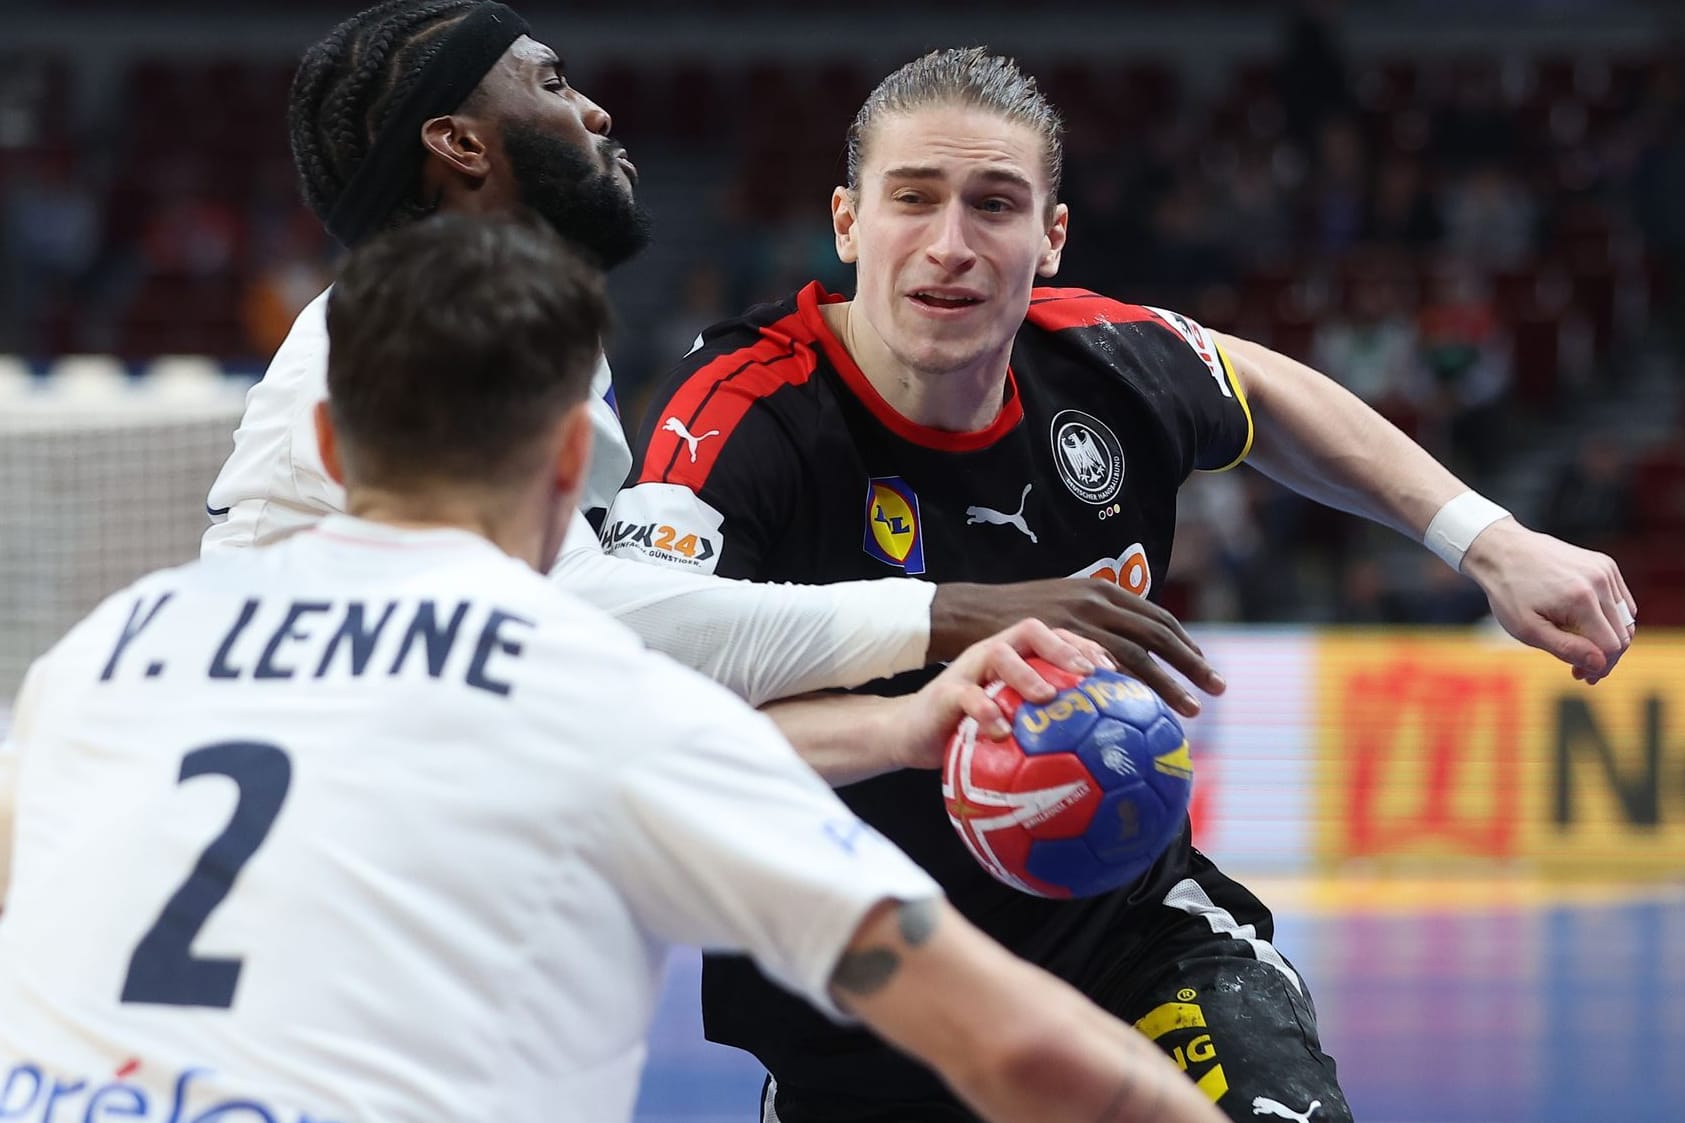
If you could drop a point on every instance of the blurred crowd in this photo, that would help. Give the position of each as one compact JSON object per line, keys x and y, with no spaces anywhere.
{"x":1490,"y":250}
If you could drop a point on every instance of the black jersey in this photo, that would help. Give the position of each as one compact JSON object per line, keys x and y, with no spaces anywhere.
{"x":769,"y":456}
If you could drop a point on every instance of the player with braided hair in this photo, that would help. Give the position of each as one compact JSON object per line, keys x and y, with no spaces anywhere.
{"x":353,"y":84}
{"x":416,"y":106}
{"x":347,"y":86}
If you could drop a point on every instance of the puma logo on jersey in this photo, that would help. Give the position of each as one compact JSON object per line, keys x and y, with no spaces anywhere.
{"x":1263,"y":1105}
{"x":986,"y":515}
{"x":676,"y":427}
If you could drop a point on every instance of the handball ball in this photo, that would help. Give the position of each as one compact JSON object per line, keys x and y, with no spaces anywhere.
{"x":1082,"y":796}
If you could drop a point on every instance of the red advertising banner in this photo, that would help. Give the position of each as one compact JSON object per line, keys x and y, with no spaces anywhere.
{"x":1439,"y":748}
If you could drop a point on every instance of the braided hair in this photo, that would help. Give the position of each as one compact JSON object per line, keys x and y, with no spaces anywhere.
{"x":350,"y":82}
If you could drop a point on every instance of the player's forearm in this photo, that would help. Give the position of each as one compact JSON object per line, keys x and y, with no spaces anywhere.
{"x":1061,"y":1058}
{"x":1012,"y":1041}
{"x":761,"y":641}
{"x":845,"y":738}
{"x":1090,"y":1073}
{"x":1316,"y":437}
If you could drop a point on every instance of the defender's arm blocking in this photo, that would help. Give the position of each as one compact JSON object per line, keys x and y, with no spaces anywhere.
{"x":1012,"y":1041}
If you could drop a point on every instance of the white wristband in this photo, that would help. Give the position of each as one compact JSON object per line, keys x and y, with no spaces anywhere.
{"x":1457,"y":524}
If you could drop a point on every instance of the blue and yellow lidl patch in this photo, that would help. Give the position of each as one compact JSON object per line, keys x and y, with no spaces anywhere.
{"x":892,"y":524}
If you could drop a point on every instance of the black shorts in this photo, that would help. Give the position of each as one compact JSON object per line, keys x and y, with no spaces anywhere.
{"x":1208,"y":988}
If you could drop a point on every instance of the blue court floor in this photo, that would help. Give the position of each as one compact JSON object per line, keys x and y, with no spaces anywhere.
{"x":1447,"y":1002}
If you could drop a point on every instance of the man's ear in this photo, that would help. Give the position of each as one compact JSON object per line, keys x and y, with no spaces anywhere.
{"x":459,"y":142}
{"x":1053,"y":242}
{"x":843,"y":221}
{"x":573,"y":450}
{"x":327,"y":443}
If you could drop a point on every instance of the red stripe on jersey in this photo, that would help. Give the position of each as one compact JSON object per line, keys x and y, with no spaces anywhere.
{"x":717,"y":396}
{"x":943,"y":440}
{"x":1058,"y":309}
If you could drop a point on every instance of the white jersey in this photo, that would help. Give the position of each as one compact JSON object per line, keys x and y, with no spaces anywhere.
{"x":274,"y":483}
{"x":761,"y":641}
{"x":379,"y":825}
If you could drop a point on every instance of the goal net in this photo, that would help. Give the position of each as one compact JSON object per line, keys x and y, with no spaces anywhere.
{"x":101,"y":480}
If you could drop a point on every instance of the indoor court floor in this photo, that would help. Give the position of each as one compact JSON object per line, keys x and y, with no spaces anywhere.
{"x":1443,"y":1001}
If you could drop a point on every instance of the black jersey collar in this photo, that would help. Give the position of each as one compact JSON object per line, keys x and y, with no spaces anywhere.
{"x":813,"y":322}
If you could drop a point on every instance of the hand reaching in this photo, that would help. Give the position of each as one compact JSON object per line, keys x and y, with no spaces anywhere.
{"x":1132,"y":629}
{"x":961,"y":690}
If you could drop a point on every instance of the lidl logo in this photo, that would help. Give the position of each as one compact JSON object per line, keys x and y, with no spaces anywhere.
{"x":892,"y":524}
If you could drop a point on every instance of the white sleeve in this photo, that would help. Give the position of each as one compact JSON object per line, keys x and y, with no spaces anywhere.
{"x":722,"y":838}
{"x":760,"y":641}
{"x":274,"y":482}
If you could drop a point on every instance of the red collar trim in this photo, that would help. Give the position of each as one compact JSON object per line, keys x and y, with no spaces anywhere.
{"x":942,"y":440}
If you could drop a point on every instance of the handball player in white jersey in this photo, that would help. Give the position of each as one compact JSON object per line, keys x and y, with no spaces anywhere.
{"x":377,"y":824}
{"x":411,"y":108}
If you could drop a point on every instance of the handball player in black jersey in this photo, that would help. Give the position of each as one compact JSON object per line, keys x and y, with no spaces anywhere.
{"x":953,"y":421}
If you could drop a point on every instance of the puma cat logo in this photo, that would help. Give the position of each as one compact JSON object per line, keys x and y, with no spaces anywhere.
{"x":677,"y":428}
{"x":985,"y":515}
{"x":1263,"y":1105}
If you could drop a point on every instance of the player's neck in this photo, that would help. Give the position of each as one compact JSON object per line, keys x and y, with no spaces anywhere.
{"x":514,"y":528}
{"x":962,"y":400}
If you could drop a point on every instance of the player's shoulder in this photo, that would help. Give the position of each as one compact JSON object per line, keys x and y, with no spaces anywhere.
{"x":596,"y":682}
{"x":293,"y":382}
{"x":751,"y":358}
{"x":1110,"y":328}
{"x":746,"y":392}
{"x":303,"y":354}
{"x":765,"y":335}
{"x":1064,"y":309}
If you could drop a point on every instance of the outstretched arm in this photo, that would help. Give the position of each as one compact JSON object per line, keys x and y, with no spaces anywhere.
{"x":768,"y":641}
{"x":1134,"y":631}
{"x":1012,"y":1041}
{"x":1317,"y":438}
{"x":760,"y":641}
{"x":717,"y":835}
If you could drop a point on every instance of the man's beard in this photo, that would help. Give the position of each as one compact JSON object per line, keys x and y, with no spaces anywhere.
{"x":586,"y":205}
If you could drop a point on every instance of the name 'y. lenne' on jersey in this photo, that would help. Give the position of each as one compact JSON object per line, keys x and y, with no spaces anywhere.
{"x":287,"y":639}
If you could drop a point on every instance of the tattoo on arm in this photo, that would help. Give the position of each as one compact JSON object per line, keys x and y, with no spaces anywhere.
{"x":917,"y":920}
{"x":865,"y":972}
{"x":869,"y":970}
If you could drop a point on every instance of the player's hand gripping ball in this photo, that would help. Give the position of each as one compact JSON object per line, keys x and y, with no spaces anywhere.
{"x":1084,"y":794}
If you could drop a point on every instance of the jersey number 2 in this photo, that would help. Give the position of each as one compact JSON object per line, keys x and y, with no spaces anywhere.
{"x":163,"y":970}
